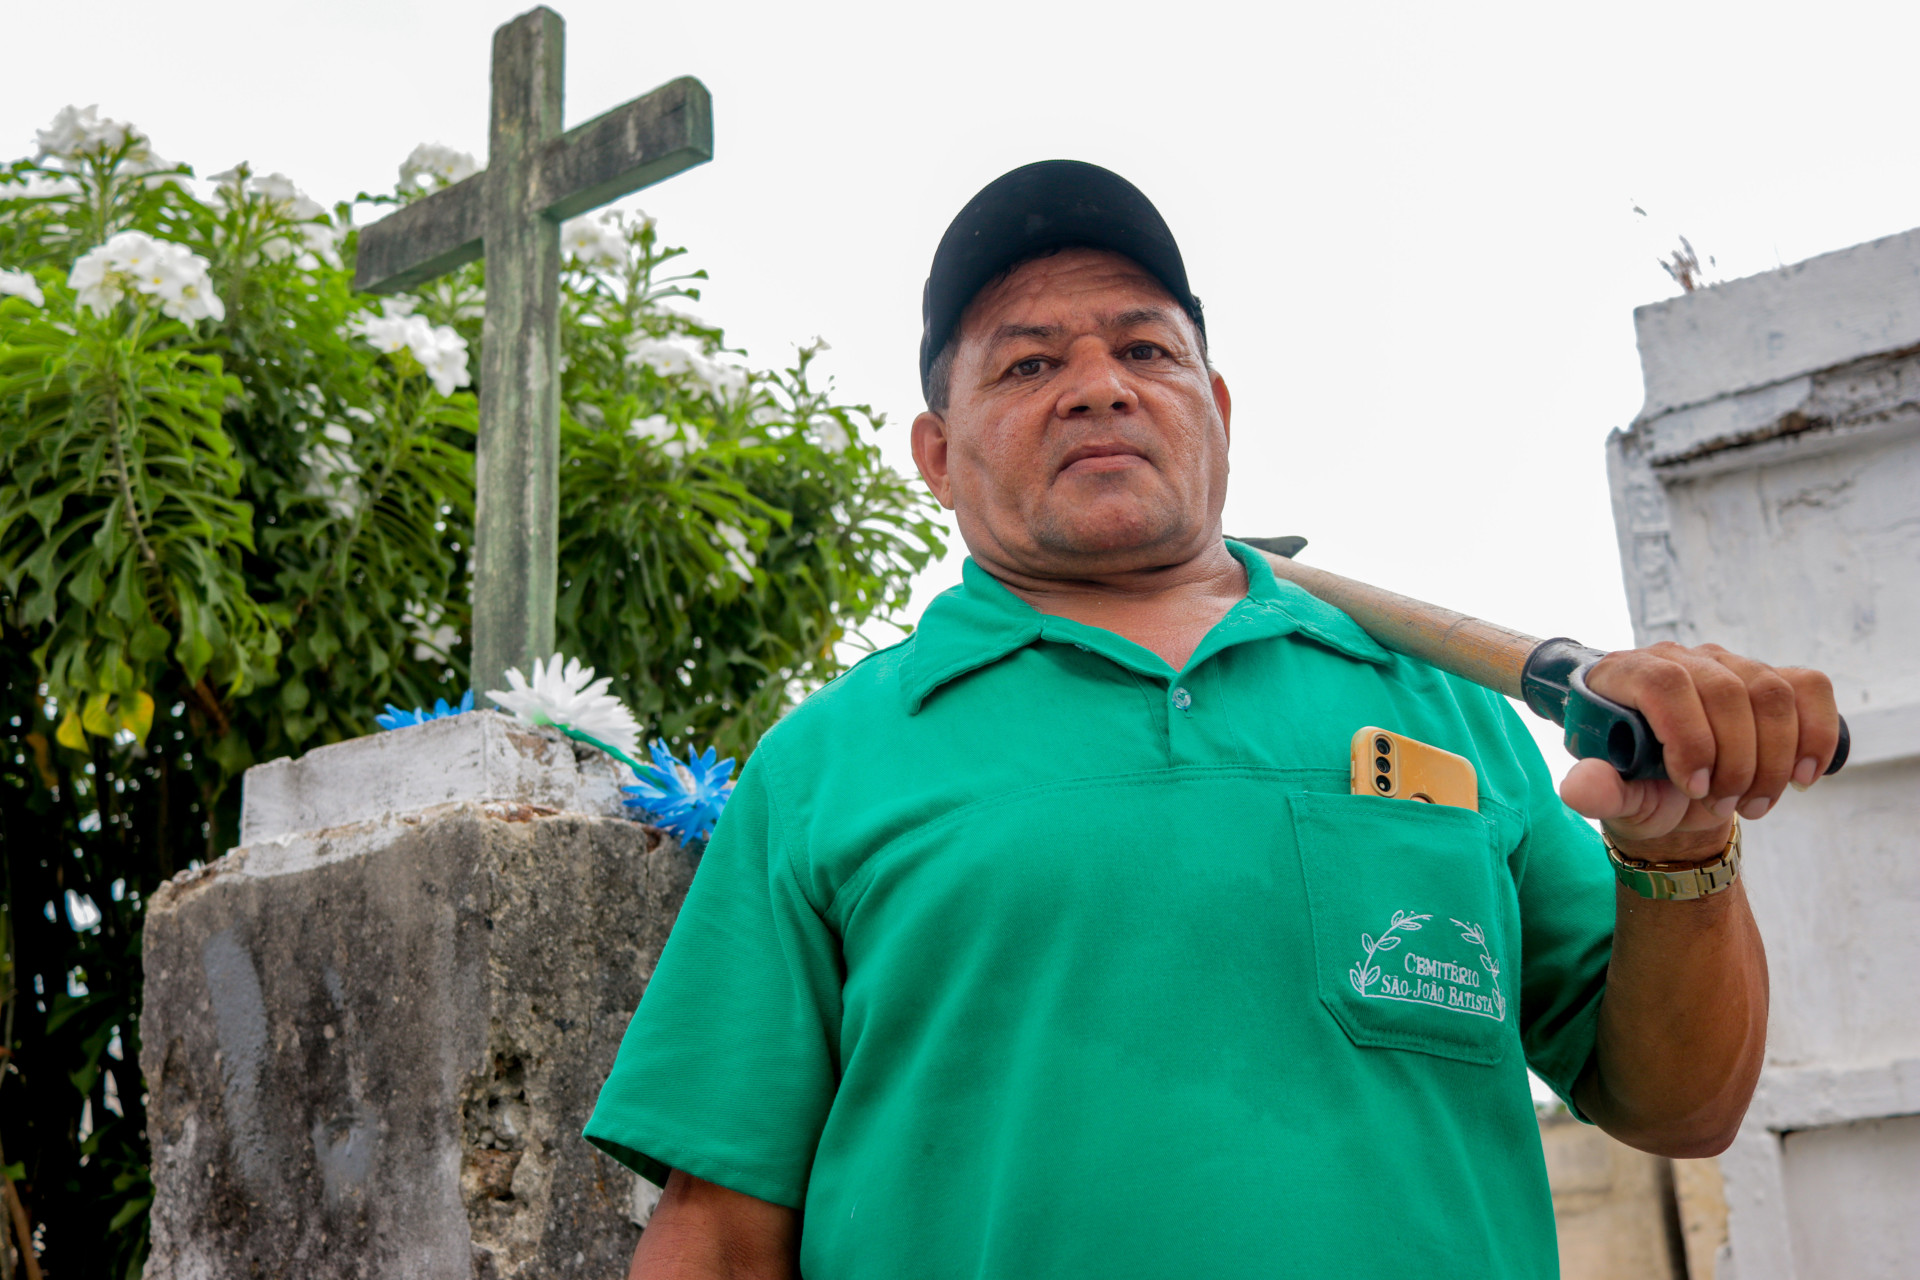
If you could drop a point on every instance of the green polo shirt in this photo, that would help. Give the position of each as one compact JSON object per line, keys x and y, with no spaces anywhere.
{"x":1019,"y":953}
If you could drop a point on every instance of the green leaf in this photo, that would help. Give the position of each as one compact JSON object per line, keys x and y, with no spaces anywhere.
{"x":149,"y":642}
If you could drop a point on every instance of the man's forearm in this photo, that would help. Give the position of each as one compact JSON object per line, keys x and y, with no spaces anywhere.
{"x":703,"y":1231}
{"x":1683,"y":1026}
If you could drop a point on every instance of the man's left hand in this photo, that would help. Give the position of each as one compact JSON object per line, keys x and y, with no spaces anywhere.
{"x":1735,"y":733}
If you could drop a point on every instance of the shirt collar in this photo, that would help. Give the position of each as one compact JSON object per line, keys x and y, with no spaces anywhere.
{"x":979,"y":622}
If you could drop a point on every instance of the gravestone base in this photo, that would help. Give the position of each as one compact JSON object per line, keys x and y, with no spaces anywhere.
{"x":371,"y":1042}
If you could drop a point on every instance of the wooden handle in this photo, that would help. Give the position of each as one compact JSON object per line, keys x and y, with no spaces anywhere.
{"x":1471,"y":648}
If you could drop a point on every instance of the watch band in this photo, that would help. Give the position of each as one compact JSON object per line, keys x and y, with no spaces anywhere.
{"x":1680,"y":884}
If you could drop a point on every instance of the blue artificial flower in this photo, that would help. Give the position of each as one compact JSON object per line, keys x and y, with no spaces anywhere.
{"x":395,"y":718}
{"x":684,"y":799}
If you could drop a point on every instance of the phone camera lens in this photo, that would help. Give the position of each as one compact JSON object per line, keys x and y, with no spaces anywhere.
{"x":1383,"y":783}
{"x":1382,"y":745}
{"x":1383,"y":764}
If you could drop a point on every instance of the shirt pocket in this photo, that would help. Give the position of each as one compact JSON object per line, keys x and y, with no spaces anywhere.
{"x":1408,"y":929}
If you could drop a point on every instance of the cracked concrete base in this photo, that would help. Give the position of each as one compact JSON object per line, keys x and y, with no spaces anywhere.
{"x":370,"y":1048}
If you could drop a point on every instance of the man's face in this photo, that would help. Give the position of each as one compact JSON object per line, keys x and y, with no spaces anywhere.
{"x":1083,"y":434}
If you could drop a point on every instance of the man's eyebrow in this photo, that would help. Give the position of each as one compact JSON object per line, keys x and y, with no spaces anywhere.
{"x":1140,"y":315}
{"x":1008,"y":332}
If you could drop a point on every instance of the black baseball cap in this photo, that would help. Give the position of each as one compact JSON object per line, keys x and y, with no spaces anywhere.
{"x":1054,"y":204}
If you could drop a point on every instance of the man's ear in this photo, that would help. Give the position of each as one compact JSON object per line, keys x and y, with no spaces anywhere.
{"x":1223,"y":401}
{"x":930,"y":455}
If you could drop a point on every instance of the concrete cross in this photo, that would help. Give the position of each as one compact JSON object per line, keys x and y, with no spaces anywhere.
{"x":536,"y":177}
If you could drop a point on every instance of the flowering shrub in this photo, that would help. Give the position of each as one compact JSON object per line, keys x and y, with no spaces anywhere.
{"x":236,"y":506}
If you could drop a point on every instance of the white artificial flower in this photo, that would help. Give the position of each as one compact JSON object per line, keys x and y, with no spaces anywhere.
{"x":19,"y":284}
{"x":739,"y":558}
{"x":568,"y":697}
{"x":441,"y":351}
{"x":135,"y":262}
{"x":595,"y":241}
{"x":433,"y":160}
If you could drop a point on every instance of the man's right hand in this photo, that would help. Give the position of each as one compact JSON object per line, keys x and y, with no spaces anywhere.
{"x":702,"y":1231}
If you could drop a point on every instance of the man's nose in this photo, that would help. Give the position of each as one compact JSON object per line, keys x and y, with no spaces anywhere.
{"x":1095,"y":384}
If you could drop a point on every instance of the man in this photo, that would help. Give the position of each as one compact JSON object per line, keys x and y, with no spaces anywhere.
{"x":1050,"y":942}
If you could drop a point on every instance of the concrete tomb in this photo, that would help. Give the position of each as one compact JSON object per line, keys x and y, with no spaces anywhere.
{"x":374,"y":1030}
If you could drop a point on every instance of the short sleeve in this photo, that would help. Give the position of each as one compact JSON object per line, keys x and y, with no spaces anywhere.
{"x":728,"y":1067}
{"x":1566,"y":925}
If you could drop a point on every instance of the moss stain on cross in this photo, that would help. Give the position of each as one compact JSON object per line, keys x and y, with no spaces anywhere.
{"x":536,"y":177}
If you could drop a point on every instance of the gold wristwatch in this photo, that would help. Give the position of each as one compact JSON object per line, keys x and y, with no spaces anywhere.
{"x":1677,"y":884}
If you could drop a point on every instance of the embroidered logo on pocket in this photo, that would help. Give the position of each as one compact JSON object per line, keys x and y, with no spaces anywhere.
{"x":1421,"y":977}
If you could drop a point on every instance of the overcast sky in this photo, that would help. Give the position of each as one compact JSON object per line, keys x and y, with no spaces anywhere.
{"x":1411,"y":224}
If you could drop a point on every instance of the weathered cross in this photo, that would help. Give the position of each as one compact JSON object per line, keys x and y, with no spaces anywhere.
{"x":536,"y":177}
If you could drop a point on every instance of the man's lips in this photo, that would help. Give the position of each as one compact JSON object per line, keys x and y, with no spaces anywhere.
{"x":1100,"y":457}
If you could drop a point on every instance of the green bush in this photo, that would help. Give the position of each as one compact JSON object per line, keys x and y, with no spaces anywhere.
{"x":236,"y":502}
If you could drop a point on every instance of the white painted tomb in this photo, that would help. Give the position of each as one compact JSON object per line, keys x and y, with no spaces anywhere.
{"x":1768,"y":498}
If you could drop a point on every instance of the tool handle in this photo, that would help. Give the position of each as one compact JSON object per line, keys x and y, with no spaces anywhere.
{"x":1555,"y":686}
{"x":1549,"y":675}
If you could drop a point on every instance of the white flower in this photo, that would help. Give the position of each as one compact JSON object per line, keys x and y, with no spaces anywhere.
{"x":77,"y":131}
{"x":724,"y":378}
{"x":441,"y":351}
{"x":41,"y":186}
{"x":595,"y":241}
{"x":739,"y":558}
{"x":445,"y":360}
{"x":312,"y":239}
{"x":675,"y":440}
{"x":568,"y":697}
{"x":332,"y":473}
{"x":676,"y":358}
{"x":831,"y":435}
{"x":135,"y":262}
{"x":432,"y":160}
{"x":19,"y":284}
{"x":433,"y":638}
{"x":664,"y":356}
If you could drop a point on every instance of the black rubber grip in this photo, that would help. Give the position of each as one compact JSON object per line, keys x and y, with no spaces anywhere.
{"x":1555,"y":686}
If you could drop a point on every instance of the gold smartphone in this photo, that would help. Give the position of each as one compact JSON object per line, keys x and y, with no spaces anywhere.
{"x":1398,"y":767}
